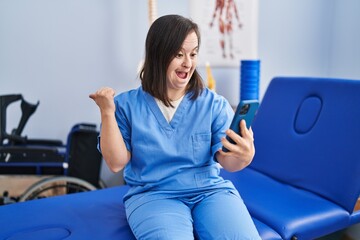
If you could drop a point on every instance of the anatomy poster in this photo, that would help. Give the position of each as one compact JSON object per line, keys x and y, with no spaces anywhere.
{"x":229,"y":30}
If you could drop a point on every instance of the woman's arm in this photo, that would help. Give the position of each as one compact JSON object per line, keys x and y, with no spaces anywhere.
{"x":112,"y":144}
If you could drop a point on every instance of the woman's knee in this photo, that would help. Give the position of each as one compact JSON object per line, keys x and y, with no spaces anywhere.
{"x":223,"y":216}
{"x":162,"y":219}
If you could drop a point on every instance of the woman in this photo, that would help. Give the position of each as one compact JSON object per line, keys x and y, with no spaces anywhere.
{"x":168,"y":136}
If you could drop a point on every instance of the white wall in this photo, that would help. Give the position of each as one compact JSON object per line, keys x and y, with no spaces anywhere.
{"x":59,"y":51}
{"x":345,"y":39}
{"x":294,"y":38}
{"x":309,"y":38}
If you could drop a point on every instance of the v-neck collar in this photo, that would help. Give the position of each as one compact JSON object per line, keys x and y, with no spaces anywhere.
{"x":171,"y":126}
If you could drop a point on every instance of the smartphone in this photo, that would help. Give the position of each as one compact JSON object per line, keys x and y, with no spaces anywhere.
{"x":246,"y":109}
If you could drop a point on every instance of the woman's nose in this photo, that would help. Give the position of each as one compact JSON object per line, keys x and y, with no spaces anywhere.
{"x":187,"y":62}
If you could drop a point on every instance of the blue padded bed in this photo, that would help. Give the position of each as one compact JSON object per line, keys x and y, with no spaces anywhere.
{"x":302,"y":184}
{"x":97,"y":214}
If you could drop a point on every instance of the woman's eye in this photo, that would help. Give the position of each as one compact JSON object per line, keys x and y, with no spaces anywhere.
{"x":179,"y":55}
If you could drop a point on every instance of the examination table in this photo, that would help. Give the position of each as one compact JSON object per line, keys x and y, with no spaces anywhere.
{"x":302,"y":184}
{"x":91,"y":215}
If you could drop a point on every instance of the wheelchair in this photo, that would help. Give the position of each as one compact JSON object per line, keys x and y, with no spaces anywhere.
{"x":69,"y":168}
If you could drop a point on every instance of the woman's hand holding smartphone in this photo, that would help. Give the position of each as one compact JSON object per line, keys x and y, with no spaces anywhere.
{"x":246,"y":110}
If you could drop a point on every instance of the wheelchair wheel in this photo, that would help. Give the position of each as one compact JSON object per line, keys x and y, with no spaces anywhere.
{"x":56,"y":186}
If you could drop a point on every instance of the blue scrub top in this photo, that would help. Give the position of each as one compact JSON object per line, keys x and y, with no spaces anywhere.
{"x":176,"y":158}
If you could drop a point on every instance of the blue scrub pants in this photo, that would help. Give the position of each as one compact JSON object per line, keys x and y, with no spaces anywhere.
{"x":219,"y":215}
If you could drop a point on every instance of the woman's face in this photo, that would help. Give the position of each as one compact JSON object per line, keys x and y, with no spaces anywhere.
{"x":182,"y":67}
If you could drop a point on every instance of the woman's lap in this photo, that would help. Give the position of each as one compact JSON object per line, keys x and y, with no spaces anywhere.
{"x":221,"y":215}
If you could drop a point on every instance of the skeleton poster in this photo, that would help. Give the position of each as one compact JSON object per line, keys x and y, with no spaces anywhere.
{"x":229,"y":30}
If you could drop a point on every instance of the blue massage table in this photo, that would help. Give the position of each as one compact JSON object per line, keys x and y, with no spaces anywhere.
{"x":302,"y":184}
{"x":96,"y":214}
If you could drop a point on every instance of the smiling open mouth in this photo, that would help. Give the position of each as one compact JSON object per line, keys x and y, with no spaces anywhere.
{"x":182,"y":75}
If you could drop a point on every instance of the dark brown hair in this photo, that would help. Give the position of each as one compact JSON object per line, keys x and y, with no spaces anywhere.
{"x":164,"y":40}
